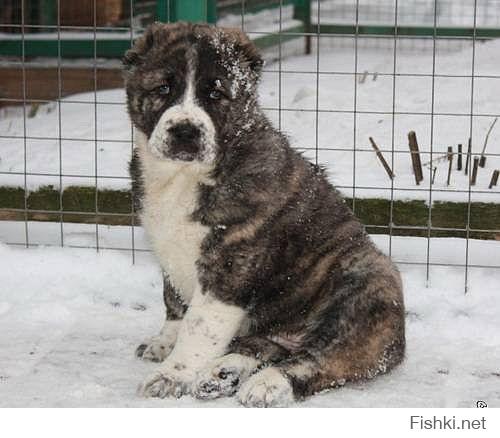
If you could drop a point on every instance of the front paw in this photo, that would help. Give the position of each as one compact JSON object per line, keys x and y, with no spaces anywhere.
{"x":155,"y":350}
{"x":223,"y":377}
{"x":268,"y":388}
{"x":170,"y":381}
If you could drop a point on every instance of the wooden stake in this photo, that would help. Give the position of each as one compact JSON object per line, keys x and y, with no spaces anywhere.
{"x":467,"y":160}
{"x":436,"y":160}
{"x":494,"y":178}
{"x":459,"y":157}
{"x":474,"y":171}
{"x":482,"y":162}
{"x":450,"y":163}
{"x":434,"y":174}
{"x":362,"y":78}
{"x":415,"y":157}
{"x":382,"y":159}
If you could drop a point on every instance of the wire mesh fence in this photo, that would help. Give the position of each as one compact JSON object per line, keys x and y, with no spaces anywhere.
{"x":417,"y":12}
{"x":338,"y":73}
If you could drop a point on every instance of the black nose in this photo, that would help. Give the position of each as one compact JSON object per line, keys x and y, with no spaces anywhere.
{"x":184,"y":132}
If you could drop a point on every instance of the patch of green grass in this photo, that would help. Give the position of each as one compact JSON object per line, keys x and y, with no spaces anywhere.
{"x":409,"y":218}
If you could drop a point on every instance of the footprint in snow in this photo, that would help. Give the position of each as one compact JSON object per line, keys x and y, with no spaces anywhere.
{"x":303,"y":93}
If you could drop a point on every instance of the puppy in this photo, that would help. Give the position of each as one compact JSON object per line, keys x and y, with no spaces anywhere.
{"x":272,"y":287}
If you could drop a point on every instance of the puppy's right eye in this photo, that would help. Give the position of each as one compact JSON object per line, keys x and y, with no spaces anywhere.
{"x":163,"y":89}
{"x":215,"y":94}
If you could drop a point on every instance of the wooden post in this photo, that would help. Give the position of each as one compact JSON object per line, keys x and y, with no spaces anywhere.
{"x":47,"y":10}
{"x":482,"y":161}
{"x":474,"y":171}
{"x":494,"y":178}
{"x":450,"y":163}
{"x":467,"y":160}
{"x":434,"y":174}
{"x":459,"y":157}
{"x":415,"y":157}
{"x":382,"y":159}
{"x":363,"y":77}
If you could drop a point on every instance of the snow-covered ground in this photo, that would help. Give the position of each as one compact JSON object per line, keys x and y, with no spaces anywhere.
{"x":96,"y":132}
{"x":70,"y":320}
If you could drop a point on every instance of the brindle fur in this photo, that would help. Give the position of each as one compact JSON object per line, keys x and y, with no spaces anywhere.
{"x":175,"y":305}
{"x":325,"y":305}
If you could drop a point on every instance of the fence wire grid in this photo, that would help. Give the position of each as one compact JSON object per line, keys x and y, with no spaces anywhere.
{"x":418,"y":43}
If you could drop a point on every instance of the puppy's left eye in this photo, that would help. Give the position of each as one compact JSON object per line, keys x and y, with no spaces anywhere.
{"x":215,"y":95}
{"x":163,"y":89}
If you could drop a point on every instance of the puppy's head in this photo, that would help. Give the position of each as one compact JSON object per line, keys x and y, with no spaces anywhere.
{"x":191,"y":87}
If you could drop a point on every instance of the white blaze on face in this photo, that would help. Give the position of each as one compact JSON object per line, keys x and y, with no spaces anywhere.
{"x":187,"y":110}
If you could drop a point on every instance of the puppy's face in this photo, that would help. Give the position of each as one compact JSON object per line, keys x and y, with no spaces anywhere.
{"x":190,"y":88}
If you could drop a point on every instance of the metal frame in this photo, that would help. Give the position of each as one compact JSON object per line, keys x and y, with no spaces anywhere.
{"x":172,"y":10}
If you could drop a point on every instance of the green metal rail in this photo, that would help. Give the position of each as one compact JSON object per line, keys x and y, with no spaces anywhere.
{"x":105,"y":48}
{"x":413,"y":31}
{"x":194,"y":11}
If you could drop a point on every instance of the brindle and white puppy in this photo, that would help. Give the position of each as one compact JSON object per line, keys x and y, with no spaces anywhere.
{"x":272,"y":287}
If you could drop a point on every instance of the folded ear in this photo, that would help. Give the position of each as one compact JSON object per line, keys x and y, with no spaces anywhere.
{"x":159,"y":33}
{"x":247,"y":49}
{"x":132,"y":57}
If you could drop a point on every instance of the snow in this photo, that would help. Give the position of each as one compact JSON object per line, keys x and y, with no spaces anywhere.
{"x":257,"y":24}
{"x":415,"y":13}
{"x":240,"y":77}
{"x":70,"y":320}
{"x":96,"y":132}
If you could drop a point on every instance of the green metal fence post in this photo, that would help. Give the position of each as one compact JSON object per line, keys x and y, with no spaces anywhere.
{"x":211,"y":11}
{"x":163,"y":10}
{"x":182,"y":10}
{"x":302,"y":11}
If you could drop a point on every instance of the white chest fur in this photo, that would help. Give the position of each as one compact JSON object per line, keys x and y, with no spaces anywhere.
{"x":170,"y":196}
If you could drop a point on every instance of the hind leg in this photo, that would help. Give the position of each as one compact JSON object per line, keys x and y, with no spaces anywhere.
{"x":157,"y":348}
{"x":358,"y":358}
{"x":224,"y":376}
{"x":269,"y":387}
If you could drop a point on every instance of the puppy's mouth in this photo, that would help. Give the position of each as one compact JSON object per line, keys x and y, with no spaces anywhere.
{"x":182,"y":151}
